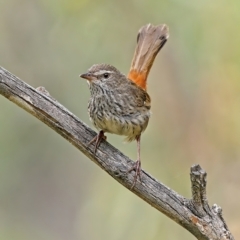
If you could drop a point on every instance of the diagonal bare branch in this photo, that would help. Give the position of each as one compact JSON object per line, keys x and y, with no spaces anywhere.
{"x":195,"y":214}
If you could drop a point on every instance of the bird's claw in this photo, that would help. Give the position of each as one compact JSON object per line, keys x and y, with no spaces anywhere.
{"x":137,"y":168}
{"x":97,"y":139}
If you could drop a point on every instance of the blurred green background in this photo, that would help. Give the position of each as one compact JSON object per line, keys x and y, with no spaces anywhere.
{"x":48,"y":189}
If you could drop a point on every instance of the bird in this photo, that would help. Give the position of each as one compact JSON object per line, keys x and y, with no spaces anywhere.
{"x":120,"y":104}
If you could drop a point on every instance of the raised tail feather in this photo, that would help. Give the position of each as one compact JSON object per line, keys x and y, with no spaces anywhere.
{"x":150,"y":40}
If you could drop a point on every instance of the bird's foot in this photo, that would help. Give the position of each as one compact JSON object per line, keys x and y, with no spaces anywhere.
{"x":137,"y":168}
{"x":97,"y":139}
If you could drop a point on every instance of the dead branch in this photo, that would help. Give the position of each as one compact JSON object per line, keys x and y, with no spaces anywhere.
{"x":195,"y":214}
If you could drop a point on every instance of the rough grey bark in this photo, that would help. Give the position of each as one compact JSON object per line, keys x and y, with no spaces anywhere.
{"x":195,"y":214}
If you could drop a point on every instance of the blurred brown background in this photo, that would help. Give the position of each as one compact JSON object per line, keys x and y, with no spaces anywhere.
{"x":48,"y":189}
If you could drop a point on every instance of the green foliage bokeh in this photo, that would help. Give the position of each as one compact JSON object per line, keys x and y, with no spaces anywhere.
{"x":48,"y":189}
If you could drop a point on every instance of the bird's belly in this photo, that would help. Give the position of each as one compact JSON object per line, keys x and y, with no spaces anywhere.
{"x":130,"y":126}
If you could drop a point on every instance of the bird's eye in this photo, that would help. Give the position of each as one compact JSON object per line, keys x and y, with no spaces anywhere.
{"x":106,"y":75}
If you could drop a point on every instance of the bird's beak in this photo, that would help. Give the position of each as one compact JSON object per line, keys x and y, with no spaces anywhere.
{"x":88,"y":76}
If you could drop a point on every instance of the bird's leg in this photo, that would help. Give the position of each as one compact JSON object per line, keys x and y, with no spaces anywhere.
{"x":97,"y":139}
{"x":137,"y":164}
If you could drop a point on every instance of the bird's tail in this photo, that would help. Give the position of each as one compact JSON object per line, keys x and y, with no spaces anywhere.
{"x":150,"y":40}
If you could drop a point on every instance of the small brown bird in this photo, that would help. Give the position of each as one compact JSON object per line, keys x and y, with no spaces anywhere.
{"x":120,"y":104}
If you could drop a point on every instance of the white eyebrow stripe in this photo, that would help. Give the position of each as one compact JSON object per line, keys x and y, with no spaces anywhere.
{"x":103,"y":71}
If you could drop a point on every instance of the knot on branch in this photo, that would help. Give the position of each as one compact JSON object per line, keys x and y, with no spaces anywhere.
{"x":218,"y":211}
{"x":199,"y":194}
{"x":43,"y":90}
{"x":204,"y":215}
